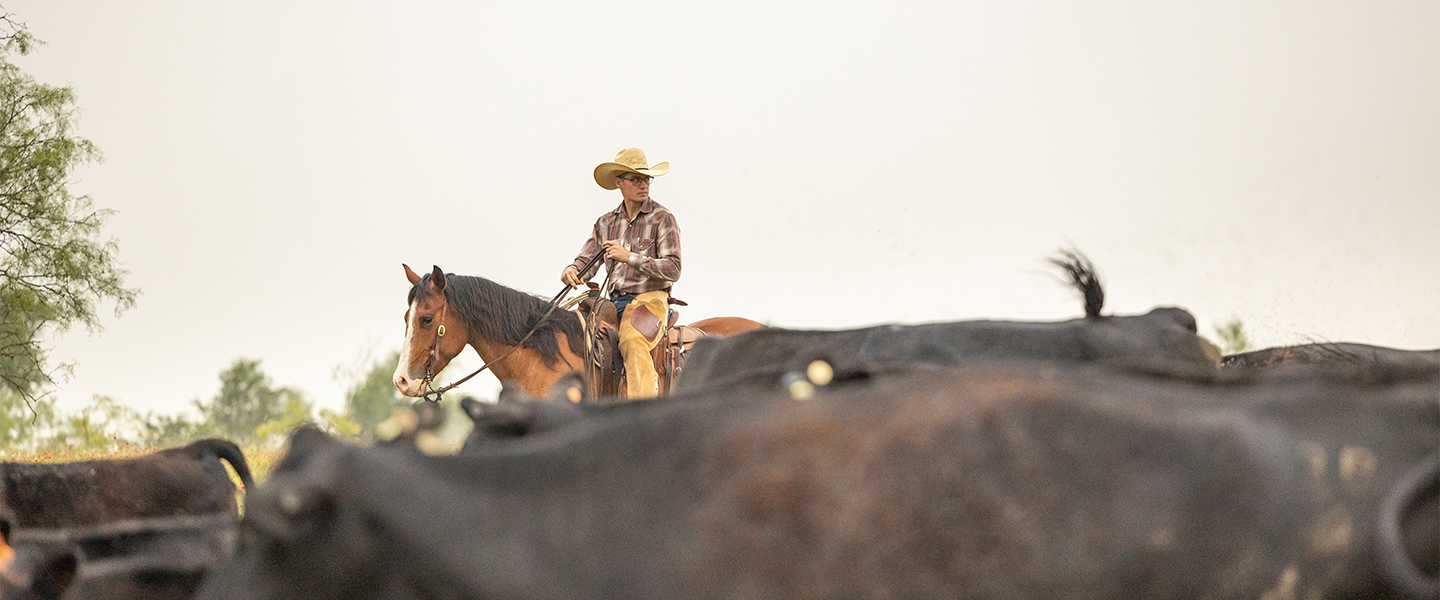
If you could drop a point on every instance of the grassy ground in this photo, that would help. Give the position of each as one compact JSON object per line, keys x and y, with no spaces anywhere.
{"x":260,"y":458}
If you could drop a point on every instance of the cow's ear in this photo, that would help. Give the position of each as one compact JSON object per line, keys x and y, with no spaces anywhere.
{"x":473,"y":408}
{"x":569,"y":388}
{"x":429,"y":416}
{"x":512,"y":392}
{"x":507,"y":418}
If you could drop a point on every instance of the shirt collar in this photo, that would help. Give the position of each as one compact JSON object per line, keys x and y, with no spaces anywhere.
{"x":648,"y":206}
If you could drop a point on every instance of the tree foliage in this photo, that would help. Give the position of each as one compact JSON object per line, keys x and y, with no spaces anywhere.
{"x":250,"y":408}
{"x":374,"y":398}
{"x":102,"y":425}
{"x":297,"y":412}
{"x":1232,"y":337}
{"x":247,"y":400}
{"x":54,"y":267}
{"x":166,"y":431}
{"x":22,"y":423}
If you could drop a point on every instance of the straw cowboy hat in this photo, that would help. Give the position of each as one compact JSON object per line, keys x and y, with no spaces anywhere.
{"x":629,"y":160}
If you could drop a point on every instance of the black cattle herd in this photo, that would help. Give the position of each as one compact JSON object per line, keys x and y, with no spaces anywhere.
{"x":1106,"y":457}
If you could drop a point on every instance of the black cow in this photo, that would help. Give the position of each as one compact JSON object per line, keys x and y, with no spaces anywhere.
{"x":189,"y":480}
{"x":1162,"y":340}
{"x":70,"y":524}
{"x":1331,"y":353}
{"x":987,"y":481}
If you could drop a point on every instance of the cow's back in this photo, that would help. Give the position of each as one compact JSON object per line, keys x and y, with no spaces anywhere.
{"x":1333,"y":353}
{"x":1162,"y":340}
{"x":190,"y":480}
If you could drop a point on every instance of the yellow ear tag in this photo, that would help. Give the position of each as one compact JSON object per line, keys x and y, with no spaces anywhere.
{"x":440,"y":331}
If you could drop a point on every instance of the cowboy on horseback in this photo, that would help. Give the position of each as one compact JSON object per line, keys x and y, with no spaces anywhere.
{"x":641,"y":243}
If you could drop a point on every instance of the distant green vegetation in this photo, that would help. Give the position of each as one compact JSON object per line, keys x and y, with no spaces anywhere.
{"x":249,"y":409}
{"x":1232,"y":337}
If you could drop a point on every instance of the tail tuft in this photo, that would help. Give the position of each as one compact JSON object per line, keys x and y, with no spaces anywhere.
{"x":1083,"y":277}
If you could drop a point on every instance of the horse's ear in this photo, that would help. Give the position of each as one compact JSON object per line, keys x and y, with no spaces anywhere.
{"x":437,"y":277}
{"x":410,"y":274}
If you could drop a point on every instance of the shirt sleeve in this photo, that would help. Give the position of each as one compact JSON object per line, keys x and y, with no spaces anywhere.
{"x":664,"y":261}
{"x":587,"y":252}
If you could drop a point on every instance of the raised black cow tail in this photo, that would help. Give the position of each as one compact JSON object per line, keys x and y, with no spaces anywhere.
{"x":229,"y":452}
{"x":1395,"y":562}
{"x":1083,"y":278}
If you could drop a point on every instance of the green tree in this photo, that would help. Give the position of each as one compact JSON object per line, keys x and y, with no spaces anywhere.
{"x":165,"y":431}
{"x":374,"y":398}
{"x":105,"y":424}
{"x":54,"y":267}
{"x":297,"y":412}
{"x":338,"y":424}
{"x":246,"y":401}
{"x":22,"y":424}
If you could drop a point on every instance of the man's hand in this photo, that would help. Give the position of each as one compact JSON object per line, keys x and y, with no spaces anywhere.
{"x":616,"y":251}
{"x":571,"y":276}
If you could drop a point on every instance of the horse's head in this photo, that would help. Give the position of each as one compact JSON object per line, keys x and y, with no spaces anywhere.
{"x":430,"y":328}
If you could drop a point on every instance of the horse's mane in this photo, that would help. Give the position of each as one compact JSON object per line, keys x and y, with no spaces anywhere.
{"x":1081,"y":273}
{"x":496,"y":312}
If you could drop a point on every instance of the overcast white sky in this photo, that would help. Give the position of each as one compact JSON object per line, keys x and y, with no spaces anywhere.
{"x":835,"y":164}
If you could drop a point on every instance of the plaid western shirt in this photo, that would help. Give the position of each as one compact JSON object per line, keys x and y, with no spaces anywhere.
{"x":653,"y":238}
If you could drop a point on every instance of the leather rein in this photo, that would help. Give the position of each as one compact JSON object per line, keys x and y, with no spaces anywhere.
{"x":434,"y":395}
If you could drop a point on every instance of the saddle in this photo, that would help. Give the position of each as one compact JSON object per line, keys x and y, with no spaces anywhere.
{"x":605,"y":366}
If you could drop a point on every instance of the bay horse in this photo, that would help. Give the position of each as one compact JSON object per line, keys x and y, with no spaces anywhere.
{"x":493,"y":319}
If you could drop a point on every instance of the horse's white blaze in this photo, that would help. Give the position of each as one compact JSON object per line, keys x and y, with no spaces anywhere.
{"x":403,"y":379}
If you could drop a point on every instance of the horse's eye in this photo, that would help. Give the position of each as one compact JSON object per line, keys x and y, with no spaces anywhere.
{"x":425,"y":321}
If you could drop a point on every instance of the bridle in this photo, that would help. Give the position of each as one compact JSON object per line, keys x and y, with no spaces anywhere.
{"x":434,"y":395}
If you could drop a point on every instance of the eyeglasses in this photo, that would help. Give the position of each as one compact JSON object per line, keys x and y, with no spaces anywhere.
{"x":637,"y":180}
